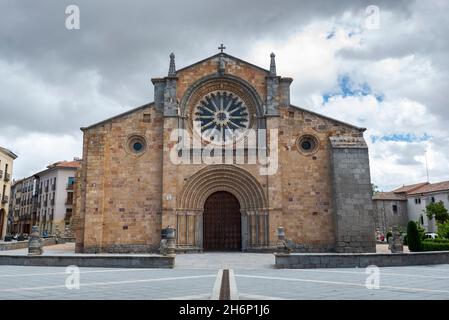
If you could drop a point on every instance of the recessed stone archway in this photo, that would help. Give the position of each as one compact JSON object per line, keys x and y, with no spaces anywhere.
{"x":228,"y":178}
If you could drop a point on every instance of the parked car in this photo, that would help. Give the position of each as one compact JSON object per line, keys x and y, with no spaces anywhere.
{"x":430,"y":235}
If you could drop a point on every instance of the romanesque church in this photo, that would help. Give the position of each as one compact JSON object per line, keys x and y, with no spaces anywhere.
{"x":282,"y":166}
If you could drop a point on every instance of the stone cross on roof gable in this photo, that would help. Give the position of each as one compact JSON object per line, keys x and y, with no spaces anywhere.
{"x":221,"y":48}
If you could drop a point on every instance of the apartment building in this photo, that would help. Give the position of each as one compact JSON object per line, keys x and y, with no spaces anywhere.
{"x":54,"y":195}
{"x":7,"y":158}
{"x":23,"y":205}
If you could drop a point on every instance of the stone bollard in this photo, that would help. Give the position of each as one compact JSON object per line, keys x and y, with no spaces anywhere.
{"x":396,"y":242}
{"x":281,"y":245}
{"x":171,"y":240}
{"x":168,"y":242}
{"x":35,"y":246}
{"x":57,"y":235}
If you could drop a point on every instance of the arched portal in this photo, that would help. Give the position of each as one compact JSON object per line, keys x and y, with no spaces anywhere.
{"x":222,"y":222}
{"x":233,"y":180}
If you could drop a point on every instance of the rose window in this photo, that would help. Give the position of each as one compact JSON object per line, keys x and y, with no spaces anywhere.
{"x":220,"y":115}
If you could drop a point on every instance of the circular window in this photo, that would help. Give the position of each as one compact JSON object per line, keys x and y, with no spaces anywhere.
{"x":136,"y":144}
{"x":307,"y":144}
{"x":220,"y":116}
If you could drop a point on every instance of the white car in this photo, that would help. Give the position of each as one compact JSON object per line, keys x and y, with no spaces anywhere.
{"x":431,"y":235}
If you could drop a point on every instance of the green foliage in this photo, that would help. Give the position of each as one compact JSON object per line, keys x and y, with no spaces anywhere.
{"x":374,"y":188}
{"x":433,"y":245}
{"x":438,"y":240}
{"x":443,"y":230}
{"x":421,"y":231}
{"x":413,"y":236}
{"x":389,"y":235}
{"x":437,"y":210}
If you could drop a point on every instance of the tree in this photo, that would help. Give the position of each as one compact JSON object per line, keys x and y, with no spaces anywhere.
{"x":438,"y":211}
{"x":413,"y":237}
{"x":374,"y":188}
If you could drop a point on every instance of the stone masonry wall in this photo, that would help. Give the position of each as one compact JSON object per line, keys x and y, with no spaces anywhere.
{"x":354,"y":221}
{"x":308,"y":213}
{"x":122,"y":198}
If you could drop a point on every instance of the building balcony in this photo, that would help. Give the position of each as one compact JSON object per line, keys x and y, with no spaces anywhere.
{"x":52,"y":202}
{"x":5,"y":199}
{"x":7,"y":177}
{"x":46,"y":189}
{"x":45,"y":203}
{"x":70,"y":187}
{"x":69,"y":201}
{"x":1,"y":174}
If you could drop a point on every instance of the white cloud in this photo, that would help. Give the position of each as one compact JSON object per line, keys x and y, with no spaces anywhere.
{"x":51,"y":85}
{"x":37,"y":150}
{"x":410,"y":81}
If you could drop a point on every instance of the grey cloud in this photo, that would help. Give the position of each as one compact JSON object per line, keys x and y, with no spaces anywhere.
{"x":124,"y":44}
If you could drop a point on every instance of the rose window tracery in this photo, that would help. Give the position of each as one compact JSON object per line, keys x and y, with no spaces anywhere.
{"x":221,"y":115}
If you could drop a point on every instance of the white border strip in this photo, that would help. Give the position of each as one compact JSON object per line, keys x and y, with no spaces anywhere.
{"x":234,"y":294}
{"x":217,"y":286}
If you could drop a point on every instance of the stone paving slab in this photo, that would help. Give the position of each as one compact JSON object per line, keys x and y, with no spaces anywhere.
{"x":195,"y":276}
{"x":394,"y":283}
{"x":228,"y":260}
{"x":103,"y":283}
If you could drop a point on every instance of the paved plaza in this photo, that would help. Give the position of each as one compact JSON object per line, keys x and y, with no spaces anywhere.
{"x":195,"y":274}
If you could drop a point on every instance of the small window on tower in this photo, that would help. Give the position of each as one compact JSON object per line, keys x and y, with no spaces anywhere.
{"x":146,"y":117}
{"x":395,"y":208}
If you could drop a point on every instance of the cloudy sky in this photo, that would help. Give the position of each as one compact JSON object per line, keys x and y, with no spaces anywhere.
{"x":387,"y":72}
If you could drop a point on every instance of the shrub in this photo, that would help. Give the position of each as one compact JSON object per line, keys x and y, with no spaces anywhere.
{"x":438,"y":240}
{"x":443,"y":230}
{"x":389,"y":235}
{"x":413,"y":236}
{"x":432,"y":245}
{"x":421,"y":231}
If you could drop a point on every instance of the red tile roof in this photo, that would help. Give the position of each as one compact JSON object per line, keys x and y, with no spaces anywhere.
{"x":69,"y":164}
{"x":409,"y":188}
{"x":432,"y":187}
{"x":65,"y":164}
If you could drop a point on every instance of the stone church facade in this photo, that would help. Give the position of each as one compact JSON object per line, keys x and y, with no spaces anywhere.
{"x":129,"y":187}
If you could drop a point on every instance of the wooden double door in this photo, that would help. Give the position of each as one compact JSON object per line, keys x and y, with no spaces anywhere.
{"x":222,"y":229}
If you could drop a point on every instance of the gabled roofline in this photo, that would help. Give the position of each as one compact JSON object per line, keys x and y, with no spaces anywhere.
{"x":421,"y":190}
{"x":329,"y":118}
{"x":40,"y":173}
{"x":226,"y":55}
{"x":117,"y":116}
{"x":8,"y":153}
{"x":410,"y":188}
